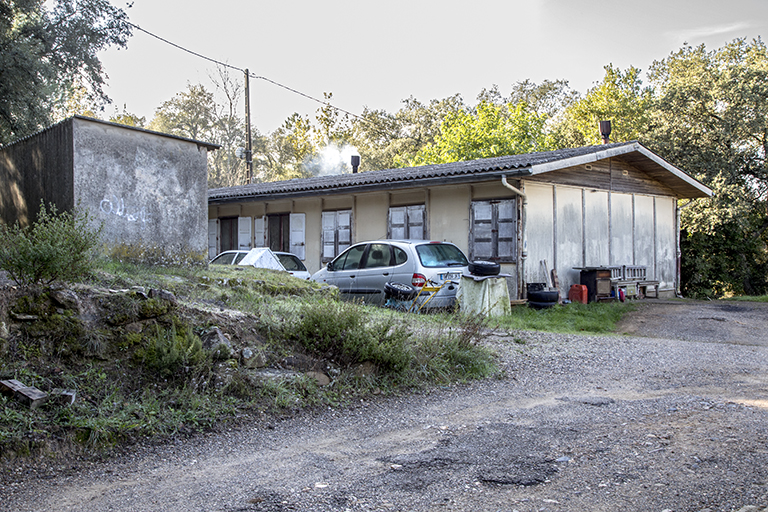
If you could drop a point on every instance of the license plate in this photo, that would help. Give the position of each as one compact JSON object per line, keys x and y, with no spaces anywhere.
{"x":451,"y":276}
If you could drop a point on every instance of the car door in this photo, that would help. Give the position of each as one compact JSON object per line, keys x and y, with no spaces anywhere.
{"x":342,"y":271}
{"x":375,"y":272}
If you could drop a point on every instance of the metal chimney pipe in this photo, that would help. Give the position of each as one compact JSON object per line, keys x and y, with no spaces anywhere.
{"x":355,"y":163}
{"x":605,"y":131}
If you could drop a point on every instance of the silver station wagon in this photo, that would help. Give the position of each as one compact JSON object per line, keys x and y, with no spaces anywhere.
{"x":363,"y":270}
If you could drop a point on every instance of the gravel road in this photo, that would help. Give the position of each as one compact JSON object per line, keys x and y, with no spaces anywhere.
{"x":668,"y":419}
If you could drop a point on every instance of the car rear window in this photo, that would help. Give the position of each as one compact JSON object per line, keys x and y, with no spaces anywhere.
{"x":441,"y":255}
{"x":291,"y":262}
{"x":223,"y":259}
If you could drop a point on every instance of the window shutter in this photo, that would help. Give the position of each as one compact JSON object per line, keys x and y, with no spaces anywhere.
{"x":507,"y":230}
{"x":397,"y":226}
{"x":213,"y":238}
{"x":259,"y":233}
{"x":344,"y":230}
{"x":244,"y":233}
{"x":298,"y":223}
{"x":415,"y":222}
{"x":481,"y":246}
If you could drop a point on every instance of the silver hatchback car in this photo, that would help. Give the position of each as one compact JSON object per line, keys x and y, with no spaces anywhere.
{"x":362,"y":271}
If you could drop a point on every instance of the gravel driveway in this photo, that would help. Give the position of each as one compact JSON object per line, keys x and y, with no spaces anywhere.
{"x":675,"y":422}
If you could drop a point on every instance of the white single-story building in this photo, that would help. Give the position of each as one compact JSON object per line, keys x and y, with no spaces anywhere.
{"x":595,"y":206}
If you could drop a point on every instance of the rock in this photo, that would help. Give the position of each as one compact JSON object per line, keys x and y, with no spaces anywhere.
{"x":253,"y":358}
{"x":154,"y":293}
{"x":215,"y":341}
{"x":67,"y":299}
{"x":321,"y":378}
{"x":23,"y":317}
{"x":299,"y":362}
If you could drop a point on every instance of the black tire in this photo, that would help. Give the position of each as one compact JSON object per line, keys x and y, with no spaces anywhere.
{"x":541,"y":305}
{"x":544,"y":296}
{"x":484,"y":268}
{"x":400,"y":291}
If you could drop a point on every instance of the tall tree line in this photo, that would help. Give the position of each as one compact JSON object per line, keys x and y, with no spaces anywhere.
{"x":704,"y":110}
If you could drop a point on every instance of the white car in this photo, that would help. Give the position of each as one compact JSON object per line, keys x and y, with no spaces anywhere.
{"x":264,"y":257}
{"x":363,"y":271}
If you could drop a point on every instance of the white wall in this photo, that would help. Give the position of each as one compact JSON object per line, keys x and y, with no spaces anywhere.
{"x":597,"y":228}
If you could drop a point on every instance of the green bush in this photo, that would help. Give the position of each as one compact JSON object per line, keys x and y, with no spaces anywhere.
{"x":55,"y":247}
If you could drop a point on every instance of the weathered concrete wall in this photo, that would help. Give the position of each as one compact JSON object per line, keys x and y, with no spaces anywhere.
{"x":148,"y":190}
{"x":35,"y":169}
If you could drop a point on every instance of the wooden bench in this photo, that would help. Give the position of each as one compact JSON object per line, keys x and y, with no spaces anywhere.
{"x":633,"y":280}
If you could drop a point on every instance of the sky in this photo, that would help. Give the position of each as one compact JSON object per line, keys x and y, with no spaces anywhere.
{"x":377,"y":54}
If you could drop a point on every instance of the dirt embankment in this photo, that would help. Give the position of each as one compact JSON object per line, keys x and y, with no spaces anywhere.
{"x":676,"y":422}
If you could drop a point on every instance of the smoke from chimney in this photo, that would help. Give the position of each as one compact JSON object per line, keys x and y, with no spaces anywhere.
{"x":332,"y":160}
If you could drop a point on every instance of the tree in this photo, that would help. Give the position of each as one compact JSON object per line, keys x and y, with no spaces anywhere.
{"x":128,"y":119}
{"x":723,"y":243}
{"x":488,"y":131}
{"x":619,"y":98}
{"x":190,"y":114}
{"x":46,"y":53}
{"x":710,"y":117}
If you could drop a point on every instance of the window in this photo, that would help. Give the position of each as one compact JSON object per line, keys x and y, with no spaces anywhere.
{"x":378,"y":256}
{"x":350,"y":260}
{"x":493,"y":235}
{"x":228,"y":233}
{"x":279,"y":232}
{"x":336,"y":234}
{"x":407,"y":222}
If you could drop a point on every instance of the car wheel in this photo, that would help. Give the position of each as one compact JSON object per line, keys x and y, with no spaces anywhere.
{"x":544,"y":296}
{"x":484,"y":268}
{"x":541,"y":305}
{"x":400,"y":291}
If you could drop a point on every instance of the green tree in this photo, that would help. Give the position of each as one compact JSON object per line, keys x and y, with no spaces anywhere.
{"x":488,"y":131}
{"x":47,"y":51}
{"x":128,"y":119}
{"x":710,"y":117}
{"x":189,"y":113}
{"x":619,"y":98}
{"x":723,"y":243}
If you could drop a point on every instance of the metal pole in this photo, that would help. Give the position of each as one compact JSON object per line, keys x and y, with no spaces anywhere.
{"x":248,"y":149}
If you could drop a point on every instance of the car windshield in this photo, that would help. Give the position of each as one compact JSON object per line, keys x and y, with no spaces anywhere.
{"x":441,"y":255}
{"x":291,"y":262}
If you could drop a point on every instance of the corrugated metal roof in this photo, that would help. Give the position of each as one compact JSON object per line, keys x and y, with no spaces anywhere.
{"x":206,"y":145}
{"x":456,"y":172}
{"x":489,"y":167}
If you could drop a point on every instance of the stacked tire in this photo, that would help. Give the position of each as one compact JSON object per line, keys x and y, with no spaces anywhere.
{"x":541,"y":298}
{"x":484,"y":268}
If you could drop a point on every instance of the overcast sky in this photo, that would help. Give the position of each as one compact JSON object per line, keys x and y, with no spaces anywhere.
{"x":377,"y":54}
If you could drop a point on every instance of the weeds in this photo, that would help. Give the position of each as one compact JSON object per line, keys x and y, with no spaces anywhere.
{"x":56,"y":247}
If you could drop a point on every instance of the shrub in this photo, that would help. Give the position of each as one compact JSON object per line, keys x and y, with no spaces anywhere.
{"x":55,"y":247}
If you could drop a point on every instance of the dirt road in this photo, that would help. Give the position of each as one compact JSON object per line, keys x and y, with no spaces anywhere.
{"x":578,"y":423}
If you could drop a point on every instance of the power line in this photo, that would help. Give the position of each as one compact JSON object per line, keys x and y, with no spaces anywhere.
{"x":322,"y":102}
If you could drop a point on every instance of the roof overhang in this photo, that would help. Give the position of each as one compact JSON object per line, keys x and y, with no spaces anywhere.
{"x":642,"y":158}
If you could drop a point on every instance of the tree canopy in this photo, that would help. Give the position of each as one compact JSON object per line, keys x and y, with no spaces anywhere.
{"x":47,"y":54}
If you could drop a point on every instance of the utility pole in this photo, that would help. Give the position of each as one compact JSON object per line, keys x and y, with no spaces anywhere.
{"x":248,"y":148}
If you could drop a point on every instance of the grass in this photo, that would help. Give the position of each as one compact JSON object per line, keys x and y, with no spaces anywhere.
{"x":748,"y":298}
{"x":150,"y":378}
{"x":596,"y":318}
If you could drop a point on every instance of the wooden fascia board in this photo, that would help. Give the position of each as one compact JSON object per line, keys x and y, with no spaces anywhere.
{"x":619,"y":151}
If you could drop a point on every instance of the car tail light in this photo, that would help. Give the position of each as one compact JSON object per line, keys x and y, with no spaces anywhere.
{"x":418,"y":280}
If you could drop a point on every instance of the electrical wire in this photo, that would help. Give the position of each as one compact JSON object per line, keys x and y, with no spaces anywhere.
{"x":251,"y":75}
